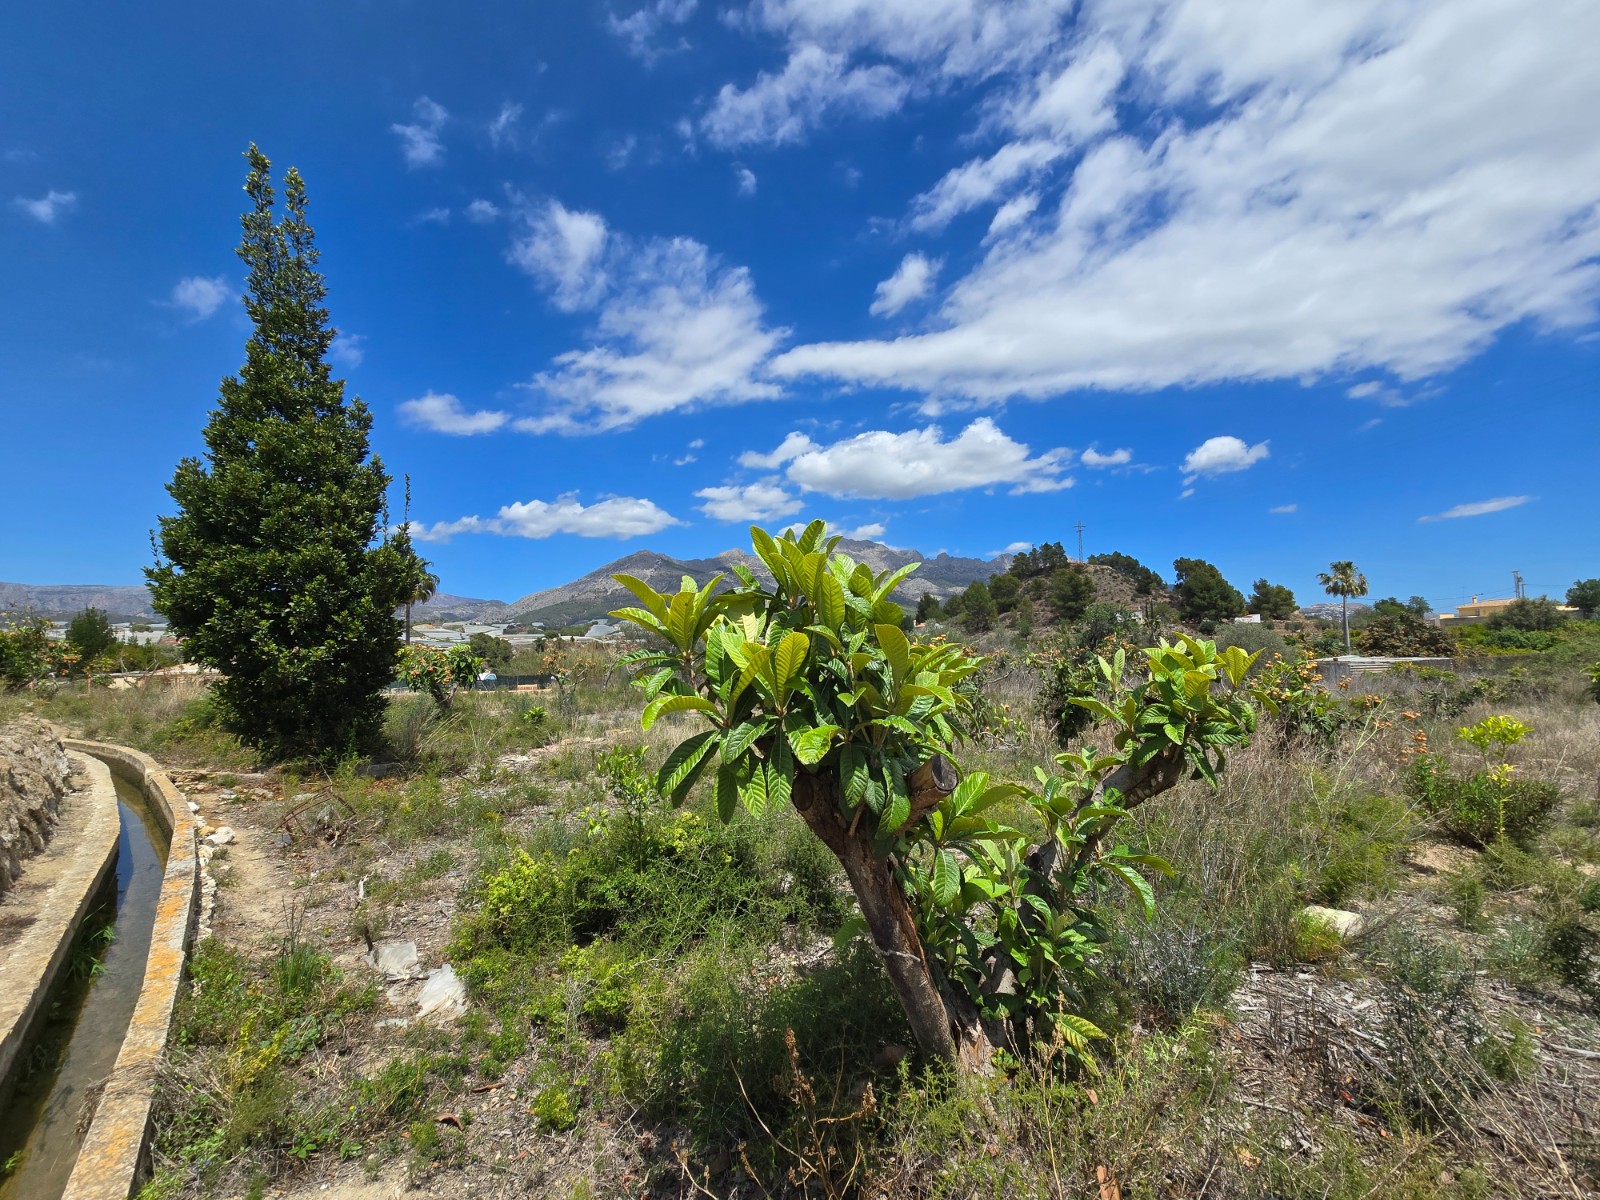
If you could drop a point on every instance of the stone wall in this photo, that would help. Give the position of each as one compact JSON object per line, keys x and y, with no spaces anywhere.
{"x":34,"y":775}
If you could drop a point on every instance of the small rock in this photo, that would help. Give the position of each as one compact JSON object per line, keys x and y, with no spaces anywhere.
{"x":222,"y":837}
{"x":227,"y":794}
{"x":284,"y":840}
{"x":1343,"y":922}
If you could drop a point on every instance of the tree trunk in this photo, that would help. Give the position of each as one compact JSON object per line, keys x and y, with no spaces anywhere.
{"x":1344,"y":617}
{"x":408,"y":622}
{"x":943,"y":1027}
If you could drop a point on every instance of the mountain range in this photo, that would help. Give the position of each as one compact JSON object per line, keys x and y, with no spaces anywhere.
{"x":583,"y":599}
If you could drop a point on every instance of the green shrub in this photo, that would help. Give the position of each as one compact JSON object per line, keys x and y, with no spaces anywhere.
{"x":1481,"y":809}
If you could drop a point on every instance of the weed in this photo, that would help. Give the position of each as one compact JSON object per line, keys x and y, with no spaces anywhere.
{"x":556,"y":1108}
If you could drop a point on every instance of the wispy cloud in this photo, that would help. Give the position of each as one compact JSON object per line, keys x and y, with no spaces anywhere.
{"x":1284,"y":509}
{"x":782,"y":108}
{"x":503,"y":129}
{"x":641,"y":31}
{"x":348,"y":350}
{"x":674,"y":327}
{"x":1480,"y":508}
{"x":419,"y":141}
{"x":912,"y":280}
{"x":49,"y":207}
{"x":1300,"y":154}
{"x":200,"y":296}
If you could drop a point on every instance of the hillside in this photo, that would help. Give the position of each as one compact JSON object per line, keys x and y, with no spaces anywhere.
{"x":586,"y":598}
{"x":120,"y":603}
{"x":596,"y":593}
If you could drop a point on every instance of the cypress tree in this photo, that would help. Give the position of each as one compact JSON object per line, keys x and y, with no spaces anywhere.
{"x":279,"y":569}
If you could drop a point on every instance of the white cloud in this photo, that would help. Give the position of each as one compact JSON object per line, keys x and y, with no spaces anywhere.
{"x":1339,"y":188}
{"x":614,"y":517}
{"x":563,"y":250}
{"x":697,"y":444}
{"x":880,"y":465}
{"x":1013,"y":548}
{"x":674,"y":329}
{"x":1362,"y":390}
{"x":201,"y":295}
{"x":952,"y":39}
{"x":1479,"y":509}
{"x":420,"y":142}
{"x":1012,"y":214}
{"x":685,"y":460}
{"x":1284,"y":509}
{"x":48,"y":207}
{"x":764,"y":500}
{"x":441,"y":412}
{"x":747,"y":180}
{"x":792,"y":446}
{"x":870,"y":532}
{"x":912,"y":280}
{"x":434,"y":216}
{"x":1221,"y":456}
{"x":781,"y":108}
{"x":980,"y":181}
{"x":503,"y":129}
{"x":481,"y":212}
{"x":348,"y":350}
{"x":640,"y":30}
{"x":1117,"y":458}
{"x":620,"y":151}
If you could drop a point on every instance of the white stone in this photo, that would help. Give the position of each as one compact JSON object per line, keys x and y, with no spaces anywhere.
{"x":221,"y":837}
{"x":1343,"y":922}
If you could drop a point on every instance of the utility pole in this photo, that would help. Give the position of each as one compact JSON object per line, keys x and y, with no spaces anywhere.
{"x":1080,"y":541}
{"x":1516,"y":579}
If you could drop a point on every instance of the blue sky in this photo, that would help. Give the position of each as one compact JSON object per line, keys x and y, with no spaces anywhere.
{"x":1269,"y":285}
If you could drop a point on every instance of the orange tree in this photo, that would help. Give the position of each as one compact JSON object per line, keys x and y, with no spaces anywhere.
{"x":813,"y":696}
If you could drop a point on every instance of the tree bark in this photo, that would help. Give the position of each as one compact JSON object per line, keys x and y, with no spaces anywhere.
{"x":943,"y":1027}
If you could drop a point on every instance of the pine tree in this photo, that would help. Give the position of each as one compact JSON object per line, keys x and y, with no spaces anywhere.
{"x":278,"y":568}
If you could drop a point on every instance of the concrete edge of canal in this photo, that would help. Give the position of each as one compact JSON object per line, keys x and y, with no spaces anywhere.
{"x":114,"y":1158}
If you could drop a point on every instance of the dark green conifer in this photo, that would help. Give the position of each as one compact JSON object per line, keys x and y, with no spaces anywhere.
{"x":279,"y":569}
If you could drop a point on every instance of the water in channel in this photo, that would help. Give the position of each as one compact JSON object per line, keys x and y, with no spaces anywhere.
{"x":74,"y":1044}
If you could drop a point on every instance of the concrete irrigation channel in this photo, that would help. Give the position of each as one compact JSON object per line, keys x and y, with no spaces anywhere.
{"x":90,"y":979}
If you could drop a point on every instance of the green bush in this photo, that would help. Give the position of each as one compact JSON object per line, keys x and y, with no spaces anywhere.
{"x":1480,"y":809}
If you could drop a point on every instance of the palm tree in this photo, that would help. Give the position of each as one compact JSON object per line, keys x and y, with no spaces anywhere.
{"x":427,"y":589}
{"x":1341,"y":579}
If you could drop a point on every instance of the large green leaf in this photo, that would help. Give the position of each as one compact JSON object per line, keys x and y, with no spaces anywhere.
{"x":727,"y":792}
{"x":1137,"y":883}
{"x":684,"y":764}
{"x":653,"y":600}
{"x":945,"y":881}
{"x":897,"y":649}
{"x":830,"y":602}
{"x":662,"y":705}
{"x":788,"y":663}
{"x":810,"y":744}
{"x":854,"y":776}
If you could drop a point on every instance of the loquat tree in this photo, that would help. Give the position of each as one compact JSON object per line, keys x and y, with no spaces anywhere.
{"x":808,"y":694}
